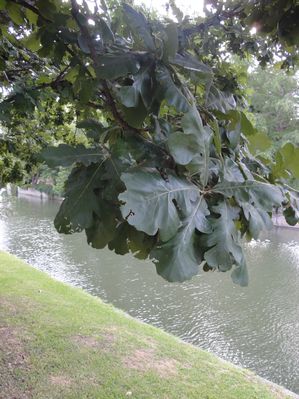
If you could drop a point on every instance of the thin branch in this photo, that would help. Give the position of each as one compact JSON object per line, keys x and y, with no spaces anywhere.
{"x":106,"y":91}
{"x":6,"y":77}
{"x":32,"y":8}
{"x":84,"y":30}
{"x":94,"y":105}
{"x":37,"y":12}
{"x":290,"y":188}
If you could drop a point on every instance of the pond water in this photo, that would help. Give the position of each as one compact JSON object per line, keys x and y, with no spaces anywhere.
{"x":255,"y":327}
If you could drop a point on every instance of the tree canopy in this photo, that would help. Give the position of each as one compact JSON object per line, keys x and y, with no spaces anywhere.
{"x":275,"y":103}
{"x":152,"y":115}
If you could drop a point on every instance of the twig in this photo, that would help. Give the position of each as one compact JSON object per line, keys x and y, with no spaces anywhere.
{"x":94,"y":105}
{"x":32,"y":8}
{"x":106,"y":91}
{"x":37,"y":12}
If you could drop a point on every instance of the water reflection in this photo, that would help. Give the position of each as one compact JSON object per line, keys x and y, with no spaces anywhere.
{"x":256,"y":327}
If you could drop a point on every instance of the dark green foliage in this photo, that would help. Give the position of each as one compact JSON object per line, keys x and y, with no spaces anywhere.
{"x":65,"y":155}
{"x":274,"y":101}
{"x":152,"y":120}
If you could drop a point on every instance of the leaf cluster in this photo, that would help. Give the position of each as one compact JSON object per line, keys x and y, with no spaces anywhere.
{"x":165,"y":170}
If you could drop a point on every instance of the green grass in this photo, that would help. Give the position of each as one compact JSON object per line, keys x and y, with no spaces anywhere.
{"x":60,"y":342}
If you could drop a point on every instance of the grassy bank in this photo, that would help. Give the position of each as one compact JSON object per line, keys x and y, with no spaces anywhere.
{"x":59,"y":342}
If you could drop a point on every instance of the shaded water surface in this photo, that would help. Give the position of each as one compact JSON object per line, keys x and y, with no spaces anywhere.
{"x":256,"y":327}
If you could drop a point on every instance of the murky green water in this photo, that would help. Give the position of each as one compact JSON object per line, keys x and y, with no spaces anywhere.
{"x":255,"y":327}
